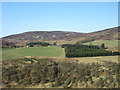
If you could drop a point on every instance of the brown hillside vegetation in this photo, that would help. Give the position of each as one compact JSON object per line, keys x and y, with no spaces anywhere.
{"x":107,"y":34}
{"x":61,"y":36}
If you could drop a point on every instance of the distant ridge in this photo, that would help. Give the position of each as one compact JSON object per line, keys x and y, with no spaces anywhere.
{"x":107,"y":34}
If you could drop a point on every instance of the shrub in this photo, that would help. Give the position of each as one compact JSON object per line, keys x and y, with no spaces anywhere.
{"x":64,"y":74}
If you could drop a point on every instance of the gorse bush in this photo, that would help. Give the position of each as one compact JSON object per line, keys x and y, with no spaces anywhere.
{"x":63,"y":74}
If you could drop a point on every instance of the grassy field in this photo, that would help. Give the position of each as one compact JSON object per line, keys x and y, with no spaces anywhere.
{"x":8,"y":53}
{"x":111,"y":44}
{"x":98,"y":59}
{"x":54,"y":51}
{"x":108,"y":43}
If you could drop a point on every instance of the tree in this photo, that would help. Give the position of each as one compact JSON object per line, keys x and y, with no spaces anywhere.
{"x":102,"y":46}
{"x":54,"y":43}
{"x":32,"y":44}
{"x":74,"y":50}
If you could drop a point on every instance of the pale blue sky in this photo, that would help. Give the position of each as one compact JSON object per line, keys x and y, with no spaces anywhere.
{"x":58,"y":16}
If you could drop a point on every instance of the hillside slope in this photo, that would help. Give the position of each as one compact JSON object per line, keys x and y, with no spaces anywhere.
{"x":107,"y":34}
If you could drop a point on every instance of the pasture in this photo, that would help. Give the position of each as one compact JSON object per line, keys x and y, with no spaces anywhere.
{"x":53,"y":51}
{"x":57,"y":51}
{"x":111,"y":44}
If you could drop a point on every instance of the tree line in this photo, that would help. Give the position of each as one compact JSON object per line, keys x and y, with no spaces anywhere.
{"x":32,"y":44}
{"x":85,"y":41}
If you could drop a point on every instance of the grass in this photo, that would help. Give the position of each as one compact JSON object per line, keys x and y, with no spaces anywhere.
{"x":56,"y":51}
{"x":108,"y":43}
{"x":53,"y":51}
{"x":111,"y":44}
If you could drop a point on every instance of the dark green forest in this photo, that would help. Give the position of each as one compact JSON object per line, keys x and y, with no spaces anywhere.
{"x":32,"y":44}
{"x":79,"y":50}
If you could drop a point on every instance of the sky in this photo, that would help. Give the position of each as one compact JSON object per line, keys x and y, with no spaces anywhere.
{"x":19,"y":17}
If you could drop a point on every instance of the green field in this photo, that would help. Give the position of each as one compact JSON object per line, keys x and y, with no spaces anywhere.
{"x":108,"y":43}
{"x":9,"y":53}
{"x":53,"y":51}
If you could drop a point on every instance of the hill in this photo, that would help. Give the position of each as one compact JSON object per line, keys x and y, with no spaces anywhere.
{"x":107,"y":34}
{"x":61,"y":36}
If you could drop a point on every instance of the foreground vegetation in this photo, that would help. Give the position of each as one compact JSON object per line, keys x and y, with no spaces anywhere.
{"x":47,"y":73}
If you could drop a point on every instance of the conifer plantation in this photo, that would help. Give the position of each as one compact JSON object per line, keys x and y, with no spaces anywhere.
{"x":79,"y":50}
